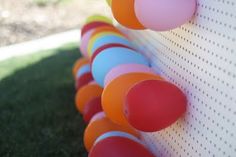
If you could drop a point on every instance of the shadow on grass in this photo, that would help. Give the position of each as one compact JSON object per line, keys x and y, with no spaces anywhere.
{"x":37,"y":113}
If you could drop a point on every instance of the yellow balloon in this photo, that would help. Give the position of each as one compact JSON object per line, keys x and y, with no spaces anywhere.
{"x":109,"y":2}
{"x":95,"y":37}
{"x":97,"y":17}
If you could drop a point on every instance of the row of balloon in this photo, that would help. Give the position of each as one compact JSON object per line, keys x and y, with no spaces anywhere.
{"x":119,"y":94}
{"x":157,"y":15}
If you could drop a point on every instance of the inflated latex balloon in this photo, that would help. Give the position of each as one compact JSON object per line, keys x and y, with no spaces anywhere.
{"x":114,"y":94}
{"x":152,"y":105}
{"x":83,"y":80}
{"x":84,"y":69}
{"x":91,"y":108}
{"x":163,"y":15}
{"x":125,"y":69}
{"x":78,"y":64}
{"x":85,"y":94}
{"x":101,"y":34}
{"x":106,"y":29}
{"x":99,"y":18}
{"x":107,"y":36}
{"x":112,"y":57}
{"x":89,"y":36}
{"x":92,"y":25}
{"x":117,"y":134}
{"x":121,"y":147}
{"x":98,"y":116}
{"x":93,"y":82}
{"x":100,"y":49}
{"x":84,"y":43}
{"x":101,"y":126}
{"x":123,"y":11}
{"x":109,"y":2}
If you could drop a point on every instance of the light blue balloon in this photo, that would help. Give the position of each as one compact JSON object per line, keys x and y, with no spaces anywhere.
{"x":108,"y":39}
{"x":117,"y":134}
{"x":84,"y":69}
{"x":110,"y":58}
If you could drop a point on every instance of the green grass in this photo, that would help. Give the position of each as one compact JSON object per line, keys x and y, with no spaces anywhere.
{"x":37,"y":113}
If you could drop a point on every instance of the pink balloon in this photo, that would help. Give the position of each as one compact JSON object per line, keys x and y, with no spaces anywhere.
{"x":93,"y":82}
{"x":124,"y":69}
{"x":84,"y":43}
{"x":98,"y":116}
{"x":162,"y":15}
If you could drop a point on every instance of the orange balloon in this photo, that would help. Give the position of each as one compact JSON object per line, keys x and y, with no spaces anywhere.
{"x":101,"y":126}
{"x":78,"y":64}
{"x":123,"y":11}
{"x":85,"y":94}
{"x":114,"y":94}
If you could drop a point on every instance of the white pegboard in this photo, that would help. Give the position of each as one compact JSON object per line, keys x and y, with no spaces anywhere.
{"x":200,"y":58}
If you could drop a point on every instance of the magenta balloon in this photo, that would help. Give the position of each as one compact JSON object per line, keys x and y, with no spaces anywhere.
{"x":98,"y":116}
{"x":93,"y":82}
{"x":124,"y":69}
{"x":162,"y":15}
{"x":84,"y":43}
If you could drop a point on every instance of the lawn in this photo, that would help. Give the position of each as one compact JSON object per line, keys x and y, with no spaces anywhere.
{"x":37,"y":113}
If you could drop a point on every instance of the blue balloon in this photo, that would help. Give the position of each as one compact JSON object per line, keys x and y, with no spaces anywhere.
{"x":108,"y":39}
{"x":117,"y":134}
{"x":84,"y":69}
{"x":110,"y":58}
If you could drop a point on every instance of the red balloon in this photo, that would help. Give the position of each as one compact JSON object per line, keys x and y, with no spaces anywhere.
{"x":91,"y":108}
{"x":153,"y":105}
{"x":119,"y":147}
{"x":83,"y":80}
{"x":100,"y":49}
{"x":93,"y":25}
